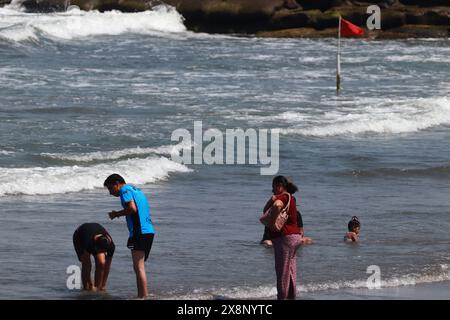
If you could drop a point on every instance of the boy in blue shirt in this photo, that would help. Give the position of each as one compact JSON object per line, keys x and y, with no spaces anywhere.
{"x":137,"y":212}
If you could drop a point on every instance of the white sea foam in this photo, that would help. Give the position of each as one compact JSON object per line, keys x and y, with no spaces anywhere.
{"x":263,"y":292}
{"x":383,"y":117}
{"x":118,"y":154}
{"x":6,"y":153}
{"x":290,"y":117}
{"x":55,"y":180}
{"x":419,"y":58}
{"x":355,"y":59}
{"x":75,"y":24}
{"x":313,"y":59}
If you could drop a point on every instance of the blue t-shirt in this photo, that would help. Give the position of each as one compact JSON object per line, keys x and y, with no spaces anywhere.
{"x":140,"y":223}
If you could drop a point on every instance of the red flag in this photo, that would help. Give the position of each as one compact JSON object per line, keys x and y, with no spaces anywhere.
{"x":348,"y":29}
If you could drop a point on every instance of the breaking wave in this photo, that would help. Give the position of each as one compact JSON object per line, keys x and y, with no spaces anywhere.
{"x":18,"y":26}
{"x":64,"y":179}
{"x":385,"y":117}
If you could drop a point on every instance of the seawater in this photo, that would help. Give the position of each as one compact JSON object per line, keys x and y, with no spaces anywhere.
{"x":83,"y":95}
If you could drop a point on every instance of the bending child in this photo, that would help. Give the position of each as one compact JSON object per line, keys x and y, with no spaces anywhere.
{"x":93,"y":239}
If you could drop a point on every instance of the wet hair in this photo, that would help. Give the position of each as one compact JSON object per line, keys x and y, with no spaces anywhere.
{"x":101,"y":243}
{"x":354,"y":223}
{"x":113,"y":179}
{"x":286,"y":183}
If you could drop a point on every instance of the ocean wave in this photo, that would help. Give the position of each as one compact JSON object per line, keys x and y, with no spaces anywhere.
{"x":441,"y":273}
{"x":383,"y":117}
{"x":117,"y":154}
{"x":418,"y":58}
{"x":17,"y":26}
{"x":437,"y":172}
{"x":289,"y":117}
{"x":6,"y":152}
{"x":64,"y":179}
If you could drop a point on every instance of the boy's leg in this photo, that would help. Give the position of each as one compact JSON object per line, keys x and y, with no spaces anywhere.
{"x":100,"y":268}
{"x":85,"y":258}
{"x":86,"y":271}
{"x":139,"y":269}
{"x":108,"y":262}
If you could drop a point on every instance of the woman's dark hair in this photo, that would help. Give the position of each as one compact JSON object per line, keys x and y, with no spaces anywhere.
{"x":354,"y":223}
{"x":101,"y":243}
{"x":112,"y":179}
{"x":286,"y":183}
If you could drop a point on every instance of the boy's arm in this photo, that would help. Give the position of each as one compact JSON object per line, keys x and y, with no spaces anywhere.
{"x":130,"y":209}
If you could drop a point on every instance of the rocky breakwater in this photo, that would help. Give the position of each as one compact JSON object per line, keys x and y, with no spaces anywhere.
{"x":285,"y":18}
{"x":315,"y":18}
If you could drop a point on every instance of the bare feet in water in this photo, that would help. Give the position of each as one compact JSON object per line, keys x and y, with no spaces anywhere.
{"x":267,"y":243}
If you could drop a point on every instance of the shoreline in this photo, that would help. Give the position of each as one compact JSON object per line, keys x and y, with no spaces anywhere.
{"x":421,"y":291}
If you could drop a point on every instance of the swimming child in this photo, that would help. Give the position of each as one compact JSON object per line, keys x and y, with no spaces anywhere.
{"x":354,"y":227}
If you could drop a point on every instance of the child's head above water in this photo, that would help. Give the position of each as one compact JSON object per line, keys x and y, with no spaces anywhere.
{"x":353,"y":230}
{"x":354,"y":225}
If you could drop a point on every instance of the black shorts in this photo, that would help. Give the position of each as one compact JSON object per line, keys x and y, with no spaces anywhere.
{"x":78,"y":244}
{"x":142,"y":242}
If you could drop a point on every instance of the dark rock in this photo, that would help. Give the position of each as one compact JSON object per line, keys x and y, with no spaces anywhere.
{"x":426,"y":3}
{"x":428,"y":18}
{"x":45,"y":6}
{"x":291,"y":4}
{"x":321,"y":20}
{"x":299,"y":33}
{"x":317,"y":4}
{"x":107,"y":5}
{"x":285,"y":19}
{"x":438,"y":18}
{"x":227,"y":16}
{"x":392,"y":19}
{"x":414,"y":31}
{"x":356,"y":15}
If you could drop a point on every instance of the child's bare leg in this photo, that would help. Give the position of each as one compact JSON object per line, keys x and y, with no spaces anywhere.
{"x":86,"y":272}
{"x":139,"y":269}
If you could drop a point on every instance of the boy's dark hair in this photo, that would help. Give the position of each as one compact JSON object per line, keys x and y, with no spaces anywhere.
{"x":112,"y":179}
{"x":286,"y":183}
{"x":354,"y":223}
{"x":102,"y":243}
